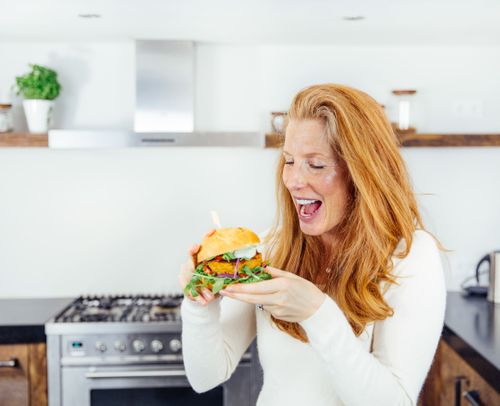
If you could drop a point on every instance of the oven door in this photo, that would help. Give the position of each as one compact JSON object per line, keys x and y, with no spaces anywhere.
{"x":138,"y":385}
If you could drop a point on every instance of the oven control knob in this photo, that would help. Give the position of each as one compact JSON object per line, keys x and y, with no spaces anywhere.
{"x":100,"y":346}
{"x":120,"y":346}
{"x":156,"y":346}
{"x":138,"y":345}
{"x":175,"y":345}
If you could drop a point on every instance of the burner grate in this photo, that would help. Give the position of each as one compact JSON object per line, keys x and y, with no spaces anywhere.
{"x":123,"y":308}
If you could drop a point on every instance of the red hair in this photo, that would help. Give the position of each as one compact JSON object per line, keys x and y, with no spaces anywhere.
{"x":382,"y":208}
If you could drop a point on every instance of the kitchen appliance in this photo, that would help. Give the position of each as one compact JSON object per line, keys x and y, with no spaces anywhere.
{"x":164,"y":114}
{"x":492,"y":291}
{"x":126,"y":350}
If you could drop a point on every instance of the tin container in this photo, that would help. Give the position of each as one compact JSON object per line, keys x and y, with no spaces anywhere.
{"x":6,"y":122}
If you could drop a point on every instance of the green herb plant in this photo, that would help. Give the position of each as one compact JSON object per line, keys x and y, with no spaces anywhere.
{"x":41,"y":84}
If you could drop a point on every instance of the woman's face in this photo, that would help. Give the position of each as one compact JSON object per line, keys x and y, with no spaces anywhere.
{"x":317,"y":182}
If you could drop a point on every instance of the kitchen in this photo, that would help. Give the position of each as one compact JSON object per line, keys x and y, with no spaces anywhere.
{"x":117,"y":221}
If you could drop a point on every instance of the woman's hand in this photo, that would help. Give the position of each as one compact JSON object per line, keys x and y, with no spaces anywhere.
{"x":287,"y":296}
{"x":205,"y":295}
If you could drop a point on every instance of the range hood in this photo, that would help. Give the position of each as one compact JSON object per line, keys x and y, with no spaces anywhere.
{"x":164,"y":110}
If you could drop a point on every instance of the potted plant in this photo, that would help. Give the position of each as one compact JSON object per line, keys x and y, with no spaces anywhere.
{"x":39,"y":88}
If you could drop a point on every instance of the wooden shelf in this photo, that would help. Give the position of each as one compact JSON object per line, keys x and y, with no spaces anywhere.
{"x":23,"y":140}
{"x":450,"y":140}
{"x":274,"y":140}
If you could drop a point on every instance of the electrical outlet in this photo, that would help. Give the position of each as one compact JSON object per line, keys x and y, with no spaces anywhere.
{"x":467,"y":108}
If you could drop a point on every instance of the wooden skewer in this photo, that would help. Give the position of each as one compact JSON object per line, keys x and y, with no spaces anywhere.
{"x":215,"y":219}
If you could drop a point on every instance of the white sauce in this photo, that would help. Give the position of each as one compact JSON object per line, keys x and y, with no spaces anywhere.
{"x":248,"y":252}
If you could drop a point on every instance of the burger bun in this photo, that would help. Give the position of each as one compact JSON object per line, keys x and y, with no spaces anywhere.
{"x":225,"y":240}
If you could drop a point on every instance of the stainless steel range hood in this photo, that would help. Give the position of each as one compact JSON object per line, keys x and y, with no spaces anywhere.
{"x":164,"y":111}
{"x":164,"y":86}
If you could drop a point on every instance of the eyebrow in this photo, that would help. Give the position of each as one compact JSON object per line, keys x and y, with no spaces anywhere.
{"x":309,"y":154}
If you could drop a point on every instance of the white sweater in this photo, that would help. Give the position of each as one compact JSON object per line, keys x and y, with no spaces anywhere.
{"x":386,"y":365}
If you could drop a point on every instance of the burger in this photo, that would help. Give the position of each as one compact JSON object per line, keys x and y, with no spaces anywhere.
{"x":227,"y":256}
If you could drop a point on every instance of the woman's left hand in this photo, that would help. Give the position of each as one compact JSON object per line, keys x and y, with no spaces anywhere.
{"x":287,"y":296}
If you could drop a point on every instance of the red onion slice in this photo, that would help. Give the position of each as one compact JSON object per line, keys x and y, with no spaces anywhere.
{"x":235,"y":275}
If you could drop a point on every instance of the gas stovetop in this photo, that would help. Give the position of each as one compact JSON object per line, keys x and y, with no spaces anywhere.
{"x":128,"y":309}
{"x":125,"y":312}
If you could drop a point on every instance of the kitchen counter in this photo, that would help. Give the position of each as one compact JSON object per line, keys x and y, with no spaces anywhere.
{"x":22,"y":320}
{"x":472,"y":329}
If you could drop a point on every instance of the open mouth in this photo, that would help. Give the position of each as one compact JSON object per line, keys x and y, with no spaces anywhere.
{"x":308,"y":208}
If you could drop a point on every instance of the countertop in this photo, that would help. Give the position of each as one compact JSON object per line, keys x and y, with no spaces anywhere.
{"x":22,"y":320}
{"x":472,"y":328}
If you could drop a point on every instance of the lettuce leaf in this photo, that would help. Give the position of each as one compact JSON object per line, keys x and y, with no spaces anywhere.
{"x":228,"y":256}
{"x":201,"y":279}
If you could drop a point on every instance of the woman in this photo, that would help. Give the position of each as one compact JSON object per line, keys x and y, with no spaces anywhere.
{"x":355,"y":308}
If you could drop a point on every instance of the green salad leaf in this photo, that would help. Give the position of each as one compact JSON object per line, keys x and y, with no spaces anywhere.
{"x":217,"y":286}
{"x":228,"y":256}
{"x":201,"y":279}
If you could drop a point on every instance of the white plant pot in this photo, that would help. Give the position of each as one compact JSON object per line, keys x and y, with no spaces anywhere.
{"x":38,"y":114}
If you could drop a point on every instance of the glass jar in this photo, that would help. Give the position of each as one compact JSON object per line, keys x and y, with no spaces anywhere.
{"x":404,"y":118}
{"x":6,"y":122}
{"x":278,"y":121}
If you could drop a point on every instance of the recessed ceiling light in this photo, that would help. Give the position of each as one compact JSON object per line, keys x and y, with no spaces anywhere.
{"x":353,"y":18}
{"x":89,"y":15}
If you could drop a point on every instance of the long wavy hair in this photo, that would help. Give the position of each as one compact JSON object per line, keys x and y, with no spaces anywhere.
{"x":381,"y":209}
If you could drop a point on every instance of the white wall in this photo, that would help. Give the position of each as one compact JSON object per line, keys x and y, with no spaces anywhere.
{"x":97,"y":80}
{"x":120,"y":220}
{"x":76,"y":222}
{"x":237,"y":86}
{"x":442,"y":76}
{"x":458,"y":189}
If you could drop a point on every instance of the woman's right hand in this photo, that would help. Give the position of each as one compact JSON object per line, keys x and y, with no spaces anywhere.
{"x":187,"y":269}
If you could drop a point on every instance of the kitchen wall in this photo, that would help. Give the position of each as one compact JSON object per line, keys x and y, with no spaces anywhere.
{"x":120,"y":220}
{"x":97,"y":79}
{"x":237,"y":86}
{"x":76,"y":222}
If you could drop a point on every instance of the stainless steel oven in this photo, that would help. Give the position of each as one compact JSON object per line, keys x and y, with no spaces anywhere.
{"x":133,"y":364}
{"x":142,"y":382}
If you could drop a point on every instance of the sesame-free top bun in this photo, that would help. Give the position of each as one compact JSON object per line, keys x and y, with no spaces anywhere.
{"x":225,"y":240}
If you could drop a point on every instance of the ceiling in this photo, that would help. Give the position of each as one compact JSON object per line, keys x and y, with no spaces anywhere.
{"x":386,"y":22}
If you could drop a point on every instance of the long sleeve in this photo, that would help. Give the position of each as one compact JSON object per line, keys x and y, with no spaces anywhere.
{"x":214,"y":337}
{"x":403,"y":345}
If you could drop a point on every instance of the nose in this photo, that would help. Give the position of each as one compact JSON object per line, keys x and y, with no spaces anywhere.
{"x":293,"y":177}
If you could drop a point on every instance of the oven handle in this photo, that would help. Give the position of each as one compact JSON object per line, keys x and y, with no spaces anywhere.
{"x":135,"y":374}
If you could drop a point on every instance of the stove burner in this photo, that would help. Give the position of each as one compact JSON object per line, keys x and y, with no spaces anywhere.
{"x":147,"y":308}
{"x":168,"y":302}
{"x":93,"y":317}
